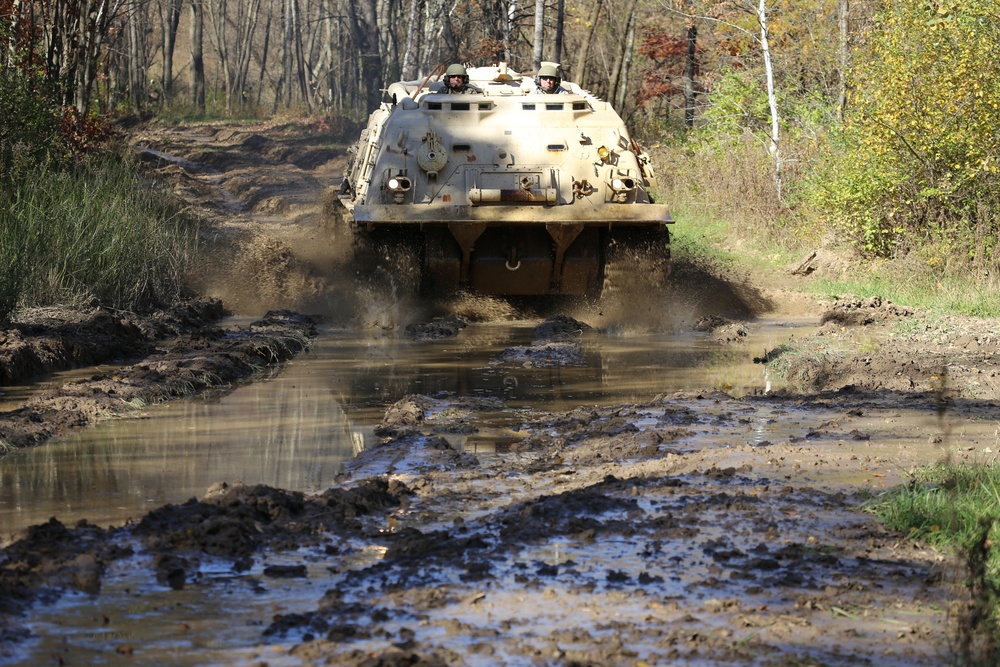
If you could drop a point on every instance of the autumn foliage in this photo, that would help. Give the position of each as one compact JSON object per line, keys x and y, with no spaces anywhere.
{"x":667,"y":56}
{"x":921,"y":145}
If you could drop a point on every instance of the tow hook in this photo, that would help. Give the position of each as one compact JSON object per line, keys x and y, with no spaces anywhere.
{"x":513,"y":263}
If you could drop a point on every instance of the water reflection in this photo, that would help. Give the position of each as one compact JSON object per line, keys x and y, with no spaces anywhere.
{"x":296,"y":428}
{"x":281,"y":432}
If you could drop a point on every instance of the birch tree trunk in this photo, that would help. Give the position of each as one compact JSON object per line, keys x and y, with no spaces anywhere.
{"x":843,"y":7}
{"x":539,"y":32}
{"x":773,"y":147}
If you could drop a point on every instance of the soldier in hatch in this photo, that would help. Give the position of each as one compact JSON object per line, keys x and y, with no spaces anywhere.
{"x":456,"y":80}
{"x":548,"y":81}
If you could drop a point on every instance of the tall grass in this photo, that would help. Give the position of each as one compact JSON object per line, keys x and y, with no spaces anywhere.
{"x":100,"y":234}
{"x":723,"y":198}
{"x":943,"y":504}
{"x":957,"y":507}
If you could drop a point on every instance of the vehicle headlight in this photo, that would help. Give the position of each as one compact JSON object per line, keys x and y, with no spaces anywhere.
{"x":621,"y":184}
{"x":398,"y":184}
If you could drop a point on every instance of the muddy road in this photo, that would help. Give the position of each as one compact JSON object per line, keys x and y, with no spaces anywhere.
{"x":709,"y":524}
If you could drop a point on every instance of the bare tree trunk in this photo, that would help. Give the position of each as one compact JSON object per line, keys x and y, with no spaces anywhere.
{"x":247,"y":24}
{"x":170,"y":25}
{"x":616,"y":71}
{"x":448,"y":34}
{"x":392,"y":60}
{"x":438,"y":40}
{"x":626,"y":63}
{"x":497,"y":30}
{"x":843,"y":7}
{"x":299,"y":56}
{"x":560,"y":16}
{"x":690,"y":68}
{"x":284,"y":92}
{"x":198,"y":55}
{"x":508,"y":28}
{"x":364,"y":30}
{"x":411,"y":57}
{"x":136,"y":54}
{"x":218,"y":20}
{"x":580,"y":68}
{"x":539,"y":32}
{"x":321,"y":70}
{"x":95,"y":29}
{"x":265,"y":53}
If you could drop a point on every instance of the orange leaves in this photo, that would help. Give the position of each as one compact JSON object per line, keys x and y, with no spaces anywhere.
{"x":659,"y":46}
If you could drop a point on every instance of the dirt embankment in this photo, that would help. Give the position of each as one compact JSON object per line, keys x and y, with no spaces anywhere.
{"x":692,"y":528}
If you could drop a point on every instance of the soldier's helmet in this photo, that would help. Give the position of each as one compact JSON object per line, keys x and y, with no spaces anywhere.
{"x":457,"y":69}
{"x":548,"y":71}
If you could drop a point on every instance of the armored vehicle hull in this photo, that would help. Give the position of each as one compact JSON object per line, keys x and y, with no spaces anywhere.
{"x":504,"y":190}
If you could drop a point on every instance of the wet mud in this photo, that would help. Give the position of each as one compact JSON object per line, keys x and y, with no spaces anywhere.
{"x":694,"y":527}
{"x":207,"y":358}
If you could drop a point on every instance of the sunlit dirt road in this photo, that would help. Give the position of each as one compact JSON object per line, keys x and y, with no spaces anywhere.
{"x":710,"y":525}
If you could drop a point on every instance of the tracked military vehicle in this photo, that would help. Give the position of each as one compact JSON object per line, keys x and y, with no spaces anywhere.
{"x":502,"y":190}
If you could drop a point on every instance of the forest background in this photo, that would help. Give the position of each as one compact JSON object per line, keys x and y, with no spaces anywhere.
{"x":865,"y":125}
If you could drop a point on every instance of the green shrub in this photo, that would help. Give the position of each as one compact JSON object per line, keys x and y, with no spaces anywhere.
{"x":30,"y":131}
{"x":917,"y":163}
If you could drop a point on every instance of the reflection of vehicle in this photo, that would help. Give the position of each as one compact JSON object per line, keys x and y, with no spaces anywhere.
{"x":505,"y":192}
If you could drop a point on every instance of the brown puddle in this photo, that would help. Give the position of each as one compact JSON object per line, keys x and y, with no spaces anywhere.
{"x":294,"y":430}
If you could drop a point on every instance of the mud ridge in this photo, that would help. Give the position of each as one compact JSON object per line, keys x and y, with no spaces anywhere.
{"x":46,"y":340}
{"x":208,"y":358}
